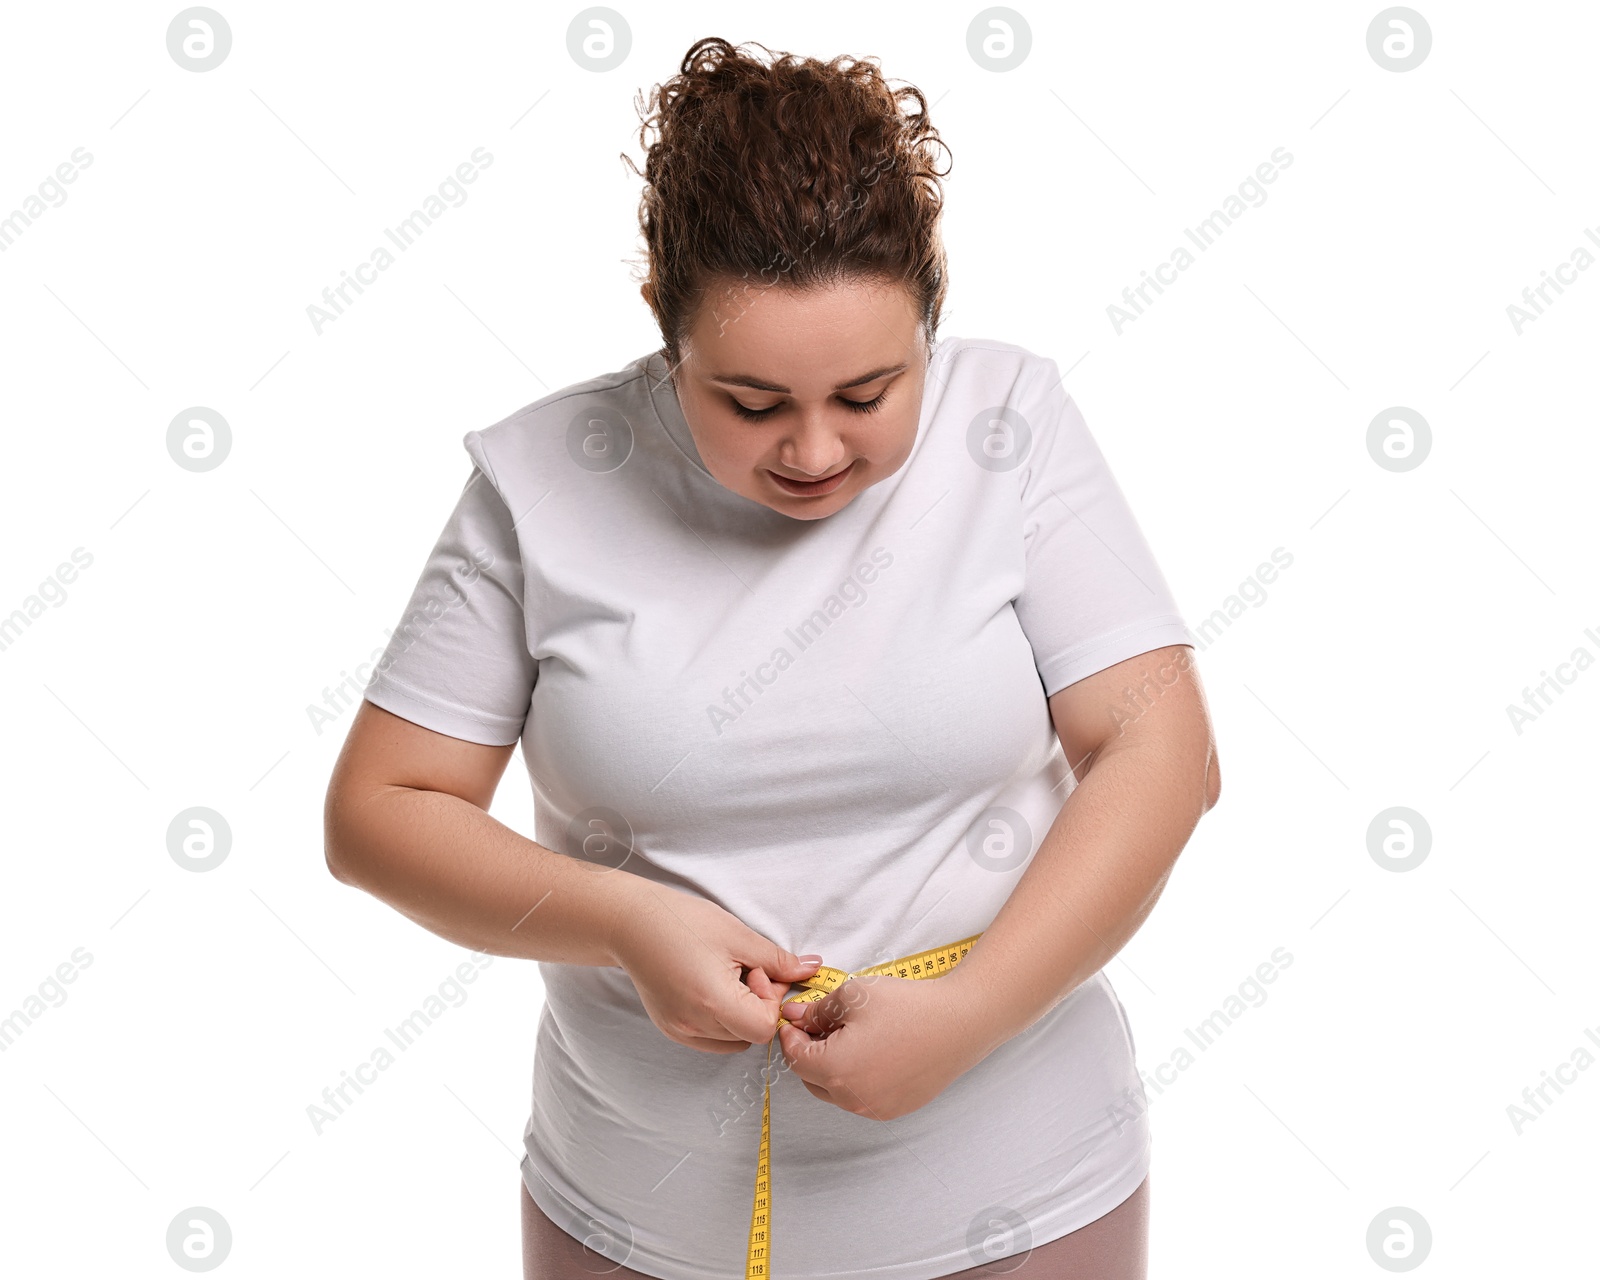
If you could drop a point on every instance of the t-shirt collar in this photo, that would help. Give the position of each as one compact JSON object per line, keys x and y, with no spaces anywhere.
{"x":664,"y":396}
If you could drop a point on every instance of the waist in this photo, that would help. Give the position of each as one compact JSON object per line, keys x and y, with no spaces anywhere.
{"x":630,"y":1124}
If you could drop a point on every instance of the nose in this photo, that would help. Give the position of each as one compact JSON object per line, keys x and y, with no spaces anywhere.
{"x":814,"y":449}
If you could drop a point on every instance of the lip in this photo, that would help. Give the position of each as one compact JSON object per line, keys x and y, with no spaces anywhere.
{"x":813,"y":488}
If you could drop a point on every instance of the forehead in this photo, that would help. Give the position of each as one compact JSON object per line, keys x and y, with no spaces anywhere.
{"x":743,"y":323}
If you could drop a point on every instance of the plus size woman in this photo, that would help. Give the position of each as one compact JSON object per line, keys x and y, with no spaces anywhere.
{"x":827,"y":639}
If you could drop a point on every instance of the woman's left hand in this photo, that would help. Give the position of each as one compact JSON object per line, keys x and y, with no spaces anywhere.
{"x":881,"y":1047}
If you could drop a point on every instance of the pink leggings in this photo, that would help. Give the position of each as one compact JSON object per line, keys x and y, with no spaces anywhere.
{"x":1114,"y":1246}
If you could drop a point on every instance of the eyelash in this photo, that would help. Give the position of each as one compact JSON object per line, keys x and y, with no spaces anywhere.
{"x":759,"y":415}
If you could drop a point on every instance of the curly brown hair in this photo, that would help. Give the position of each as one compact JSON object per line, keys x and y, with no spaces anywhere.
{"x":800,"y":172}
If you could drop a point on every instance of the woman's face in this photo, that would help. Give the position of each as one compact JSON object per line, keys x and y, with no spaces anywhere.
{"x":833,"y":377}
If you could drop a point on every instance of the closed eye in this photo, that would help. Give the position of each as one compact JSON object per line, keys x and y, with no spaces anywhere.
{"x":856,"y":406}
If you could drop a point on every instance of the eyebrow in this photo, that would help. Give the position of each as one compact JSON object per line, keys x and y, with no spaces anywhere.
{"x":759,"y":384}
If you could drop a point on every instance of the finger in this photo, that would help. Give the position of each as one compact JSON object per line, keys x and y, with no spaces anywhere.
{"x":764,"y":986}
{"x":806,"y":1055}
{"x":782,"y":965}
{"x":793,"y":989}
{"x":796,"y":1012}
{"x":721,"y":1036}
{"x":769,"y":991}
{"x":753,"y":1008}
{"x":772,"y":994}
{"x":714,"y":1046}
{"x":821,"y":1017}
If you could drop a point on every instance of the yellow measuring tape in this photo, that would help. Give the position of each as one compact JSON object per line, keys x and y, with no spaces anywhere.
{"x":925,"y":964}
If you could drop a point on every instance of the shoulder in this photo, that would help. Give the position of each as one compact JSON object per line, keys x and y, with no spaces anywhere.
{"x":999,"y":404}
{"x":528,"y":441}
{"x":992,"y":371}
{"x":999,"y":395}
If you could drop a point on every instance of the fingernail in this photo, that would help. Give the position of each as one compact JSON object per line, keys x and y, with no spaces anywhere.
{"x":794,"y":1009}
{"x":810,"y":959}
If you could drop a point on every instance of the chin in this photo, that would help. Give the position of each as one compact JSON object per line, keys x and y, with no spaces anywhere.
{"x":812,"y":511}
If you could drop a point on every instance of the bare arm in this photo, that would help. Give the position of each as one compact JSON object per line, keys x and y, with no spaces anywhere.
{"x":406,"y":820}
{"x":1147,"y":771}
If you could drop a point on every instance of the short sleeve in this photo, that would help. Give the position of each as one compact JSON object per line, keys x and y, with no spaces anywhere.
{"x":458,"y":662}
{"x":1093,"y":595}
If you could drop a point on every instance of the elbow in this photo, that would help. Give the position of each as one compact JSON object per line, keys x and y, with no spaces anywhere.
{"x":336,"y":868}
{"x":334,"y":844}
{"x":1213,"y":781}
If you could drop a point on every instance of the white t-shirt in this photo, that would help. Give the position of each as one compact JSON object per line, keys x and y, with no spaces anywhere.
{"x":837,"y":730}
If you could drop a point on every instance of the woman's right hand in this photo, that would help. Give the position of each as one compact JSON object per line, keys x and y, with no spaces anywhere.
{"x":706,"y":979}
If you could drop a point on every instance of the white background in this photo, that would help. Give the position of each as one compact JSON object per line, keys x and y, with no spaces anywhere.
{"x":1376,"y":673}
